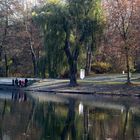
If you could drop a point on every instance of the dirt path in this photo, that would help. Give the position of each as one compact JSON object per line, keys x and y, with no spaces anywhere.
{"x":86,"y":86}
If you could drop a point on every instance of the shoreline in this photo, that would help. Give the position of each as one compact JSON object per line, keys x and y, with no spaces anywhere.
{"x":86,"y":86}
{"x":84,"y":93}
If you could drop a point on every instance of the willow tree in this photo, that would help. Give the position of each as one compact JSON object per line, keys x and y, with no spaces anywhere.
{"x":54,"y":40}
{"x":64,"y":26}
{"x":50,"y":20}
{"x":83,"y":22}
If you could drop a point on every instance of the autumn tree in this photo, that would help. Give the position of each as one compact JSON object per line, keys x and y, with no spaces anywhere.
{"x":8,"y":14}
{"x":121,"y":15}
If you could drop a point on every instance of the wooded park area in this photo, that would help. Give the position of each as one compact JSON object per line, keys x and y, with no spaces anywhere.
{"x":56,"y":38}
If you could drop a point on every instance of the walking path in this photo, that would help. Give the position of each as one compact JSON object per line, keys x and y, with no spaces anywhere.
{"x":104,"y":84}
{"x":113,"y":84}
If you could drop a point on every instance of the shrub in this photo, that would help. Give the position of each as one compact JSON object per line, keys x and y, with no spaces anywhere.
{"x":101,"y":67}
{"x":64,"y":73}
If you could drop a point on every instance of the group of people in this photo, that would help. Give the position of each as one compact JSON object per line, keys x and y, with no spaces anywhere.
{"x":20,"y":83}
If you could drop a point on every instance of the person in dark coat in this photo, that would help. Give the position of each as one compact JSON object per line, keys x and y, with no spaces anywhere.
{"x":26,"y":82}
{"x":16,"y":82}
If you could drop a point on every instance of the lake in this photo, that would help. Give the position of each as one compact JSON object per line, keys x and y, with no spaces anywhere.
{"x":48,"y":116}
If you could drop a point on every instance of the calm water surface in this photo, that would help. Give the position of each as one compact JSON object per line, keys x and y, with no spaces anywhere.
{"x":65,"y":117}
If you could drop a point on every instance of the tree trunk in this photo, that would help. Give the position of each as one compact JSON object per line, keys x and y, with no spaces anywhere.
{"x":1,"y":52}
{"x":73,"y":72}
{"x":34,"y":64}
{"x":72,"y":60}
{"x":6,"y":65}
{"x":127,"y":66}
{"x":88,"y":60}
{"x":43,"y":72}
{"x":90,"y":49}
{"x":33,"y":59}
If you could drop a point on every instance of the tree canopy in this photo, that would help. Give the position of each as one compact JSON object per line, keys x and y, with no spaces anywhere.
{"x":56,"y":38}
{"x":66,"y":26}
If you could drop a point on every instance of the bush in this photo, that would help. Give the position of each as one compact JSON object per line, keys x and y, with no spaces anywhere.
{"x":64,"y":73}
{"x":101,"y":67}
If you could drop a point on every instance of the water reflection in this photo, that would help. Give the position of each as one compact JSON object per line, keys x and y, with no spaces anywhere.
{"x":23,"y":118}
{"x":81,"y":108}
{"x":69,"y":129}
{"x":19,"y":95}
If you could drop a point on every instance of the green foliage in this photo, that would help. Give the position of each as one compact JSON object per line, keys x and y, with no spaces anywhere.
{"x":64,"y":73}
{"x":101,"y":67}
{"x":10,"y":62}
{"x":51,"y":117}
{"x":81,"y":18}
{"x":49,"y":17}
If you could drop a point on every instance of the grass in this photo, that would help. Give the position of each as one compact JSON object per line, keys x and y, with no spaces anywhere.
{"x":100,"y":82}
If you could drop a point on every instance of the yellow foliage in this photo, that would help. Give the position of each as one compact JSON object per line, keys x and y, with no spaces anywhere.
{"x":72,"y":38}
{"x":10,"y":62}
{"x":34,"y":13}
{"x":101,"y":67}
{"x":103,"y":64}
{"x":53,"y":1}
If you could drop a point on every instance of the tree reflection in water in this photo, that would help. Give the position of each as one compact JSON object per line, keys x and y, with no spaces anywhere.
{"x":33,"y":120}
{"x":95,"y":123}
{"x":86,"y":123}
{"x":69,"y":127}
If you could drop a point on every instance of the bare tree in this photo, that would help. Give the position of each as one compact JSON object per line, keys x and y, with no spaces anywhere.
{"x":7,"y":13}
{"x":121,"y":15}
